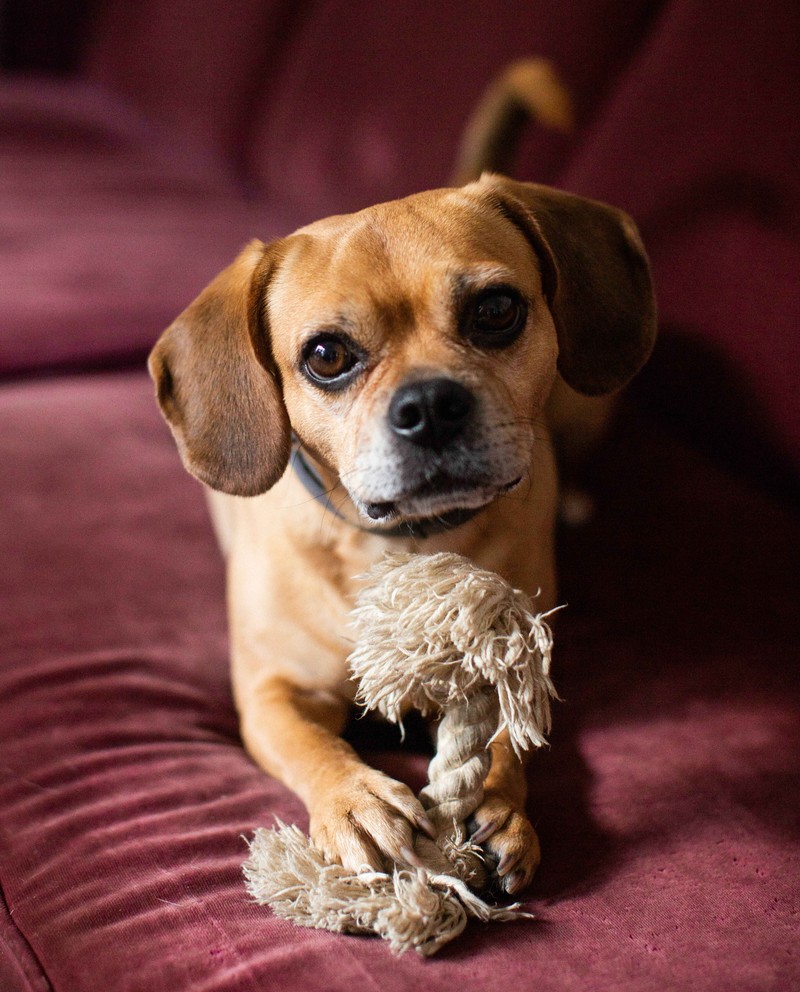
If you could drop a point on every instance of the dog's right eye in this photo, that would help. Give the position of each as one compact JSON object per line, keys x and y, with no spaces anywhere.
{"x":328,"y":358}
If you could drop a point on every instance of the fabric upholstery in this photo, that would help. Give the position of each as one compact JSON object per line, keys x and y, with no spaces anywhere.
{"x":700,"y":143}
{"x":196,"y":68}
{"x":667,"y":804}
{"x":423,"y":75}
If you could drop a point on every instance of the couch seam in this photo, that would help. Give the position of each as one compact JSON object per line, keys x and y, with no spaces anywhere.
{"x":47,"y":985}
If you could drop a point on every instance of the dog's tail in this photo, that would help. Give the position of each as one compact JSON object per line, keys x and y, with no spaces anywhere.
{"x":528,"y":89}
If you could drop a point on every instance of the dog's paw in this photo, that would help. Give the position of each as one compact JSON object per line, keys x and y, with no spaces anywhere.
{"x":509,"y":841}
{"x":368,"y":821}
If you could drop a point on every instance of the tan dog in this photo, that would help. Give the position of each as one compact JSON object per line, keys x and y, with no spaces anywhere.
{"x":410,"y":349}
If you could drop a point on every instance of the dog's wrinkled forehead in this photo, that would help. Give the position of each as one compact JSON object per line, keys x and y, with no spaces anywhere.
{"x":396,"y":260}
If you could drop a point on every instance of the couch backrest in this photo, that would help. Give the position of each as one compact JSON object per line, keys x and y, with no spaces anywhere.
{"x":371,"y":98}
{"x":198,"y":66}
{"x":338,"y":103}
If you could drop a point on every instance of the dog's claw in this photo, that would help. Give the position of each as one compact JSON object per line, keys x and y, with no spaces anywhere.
{"x":427,"y":827}
{"x":514,"y":882}
{"x":509,"y":842}
{"x":411,"y":857}
{"x":507,"y":862}
{"x":484,"y":832}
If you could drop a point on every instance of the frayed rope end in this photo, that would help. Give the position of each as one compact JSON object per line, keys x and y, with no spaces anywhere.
{"x":410,"y":909}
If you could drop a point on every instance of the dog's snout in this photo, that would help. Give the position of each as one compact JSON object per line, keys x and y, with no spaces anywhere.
{"x":430,"y":413}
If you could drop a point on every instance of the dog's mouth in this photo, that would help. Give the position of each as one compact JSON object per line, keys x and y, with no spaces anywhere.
{"x":443,"y":500}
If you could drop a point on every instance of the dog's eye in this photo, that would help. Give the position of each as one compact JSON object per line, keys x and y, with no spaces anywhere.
{"x":496,"y":318}
{"x":327,"y":358}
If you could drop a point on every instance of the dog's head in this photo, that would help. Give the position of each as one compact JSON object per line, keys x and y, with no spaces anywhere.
{"x":411,"y":346}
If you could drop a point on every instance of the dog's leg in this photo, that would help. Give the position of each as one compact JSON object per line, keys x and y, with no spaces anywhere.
{"x":501,"y":824}
{"x":359,"y":817}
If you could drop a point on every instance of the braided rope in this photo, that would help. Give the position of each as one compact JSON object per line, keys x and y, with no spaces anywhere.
{"x":437,"y":634}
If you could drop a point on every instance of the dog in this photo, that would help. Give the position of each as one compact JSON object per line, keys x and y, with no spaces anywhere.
{"x":379,"y":381}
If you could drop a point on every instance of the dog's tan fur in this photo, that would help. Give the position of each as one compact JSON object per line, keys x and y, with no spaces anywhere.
{"x":232,"y":385}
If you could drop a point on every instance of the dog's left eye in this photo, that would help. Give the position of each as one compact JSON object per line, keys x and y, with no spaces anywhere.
{"x":495,"y":318}
{"x":328,"y":358}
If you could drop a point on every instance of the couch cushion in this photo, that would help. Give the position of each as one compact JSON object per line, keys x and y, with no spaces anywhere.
{"x":667,"y":804}
{"x":109,"y":230}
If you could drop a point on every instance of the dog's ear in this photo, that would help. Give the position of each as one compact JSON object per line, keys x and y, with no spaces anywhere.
{"x":596,"y":279}
{"x":217,"y":384}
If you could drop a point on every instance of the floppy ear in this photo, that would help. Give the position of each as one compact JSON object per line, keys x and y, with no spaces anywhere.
{"x":217,"y":384}
{"x":596,"y":279}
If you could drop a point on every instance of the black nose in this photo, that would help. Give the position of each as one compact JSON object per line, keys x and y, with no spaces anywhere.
{"x":430,"y":413}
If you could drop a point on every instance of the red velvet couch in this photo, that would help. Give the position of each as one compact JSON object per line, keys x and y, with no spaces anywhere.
{"x":668,"y":803}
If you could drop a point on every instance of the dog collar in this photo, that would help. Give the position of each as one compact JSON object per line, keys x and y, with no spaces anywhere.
{"x":418,"y":529}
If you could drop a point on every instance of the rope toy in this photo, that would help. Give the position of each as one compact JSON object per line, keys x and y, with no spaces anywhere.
{"x":435,"y":633}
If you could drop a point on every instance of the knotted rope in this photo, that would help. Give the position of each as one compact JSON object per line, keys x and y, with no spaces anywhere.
{"x":435,"y":633}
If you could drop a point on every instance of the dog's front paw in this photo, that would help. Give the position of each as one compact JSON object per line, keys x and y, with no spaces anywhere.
{"x":505,"y":833}
{"x":367,"y":821}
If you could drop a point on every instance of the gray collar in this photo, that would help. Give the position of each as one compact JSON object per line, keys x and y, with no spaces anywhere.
{"x":418,"y":529}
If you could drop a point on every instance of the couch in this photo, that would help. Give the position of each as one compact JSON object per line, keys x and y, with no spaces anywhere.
{"x":132,"y":168}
